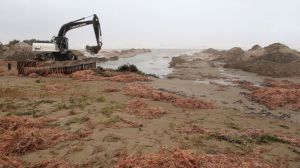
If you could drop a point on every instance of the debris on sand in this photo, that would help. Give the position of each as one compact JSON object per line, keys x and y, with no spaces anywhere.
{"x":85,"y":75}
{"x":276,"y":94}
{"x":111,"y":89}
{"x":194,"y":129}
{"x":242,"y":137}
{"x":127,"y":124}
{"x":178,"y":158}
{"x":128,"y":77}
{"x":10,"y":162}
{"x":143,"y":91}
{"x":140,"y":108}
{"x":21,"y":134}
{"x":53,"y":163}
{"x":89,"y":75}
{"x":255,"y":136}
{"x":55,"y":88}
{"x":12,"y":123}
{"x":246,"y":85}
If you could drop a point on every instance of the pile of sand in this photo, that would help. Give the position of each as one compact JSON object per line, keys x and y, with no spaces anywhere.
{"x":18,"y":51}
{"x":276,"y":60}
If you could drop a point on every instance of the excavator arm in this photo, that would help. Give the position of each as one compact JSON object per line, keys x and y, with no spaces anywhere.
{"x":62,"y":41}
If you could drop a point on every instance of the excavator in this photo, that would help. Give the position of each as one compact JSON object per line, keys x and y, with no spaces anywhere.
{"x":58,"y":49}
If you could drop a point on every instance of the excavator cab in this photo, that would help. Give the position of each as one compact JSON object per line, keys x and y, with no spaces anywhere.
{"x":62,"y":43}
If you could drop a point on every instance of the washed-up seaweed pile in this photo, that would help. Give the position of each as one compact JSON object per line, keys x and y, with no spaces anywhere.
{"x":10,"y":162}
{"x":128,"y":77}
{"x":247,"y":136}
{"x":55,"y":88}
{"x":85,"y":75}
{"x":89,"y":75}
{"x":54,"y":164}
{"x":143,"y":91}
{"x":246,"y":85}
{"x":276,"y":94}
{"x":178,"y":158}
{"x":140,"y":108}
{"x":20,"y":135}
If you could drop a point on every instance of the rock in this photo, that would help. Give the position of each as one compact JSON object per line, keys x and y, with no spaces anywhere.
{"x":114,"y":58}
{"x":176,"y":60}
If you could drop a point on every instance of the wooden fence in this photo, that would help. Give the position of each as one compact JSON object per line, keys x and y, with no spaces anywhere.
{"x":28,"y":67}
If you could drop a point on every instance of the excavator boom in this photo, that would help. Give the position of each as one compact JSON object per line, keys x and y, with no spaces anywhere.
{"x":61,"y":40}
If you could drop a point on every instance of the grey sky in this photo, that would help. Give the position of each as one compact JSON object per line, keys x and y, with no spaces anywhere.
{"x":157,"y":23}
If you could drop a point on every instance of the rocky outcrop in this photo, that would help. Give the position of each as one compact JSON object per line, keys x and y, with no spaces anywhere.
{"x":176,"y":60}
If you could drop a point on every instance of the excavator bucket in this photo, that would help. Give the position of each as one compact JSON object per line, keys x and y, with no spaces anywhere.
{"x":93,"y":49}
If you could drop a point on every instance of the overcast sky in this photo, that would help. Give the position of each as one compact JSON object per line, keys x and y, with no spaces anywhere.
{"x":157,"y":23}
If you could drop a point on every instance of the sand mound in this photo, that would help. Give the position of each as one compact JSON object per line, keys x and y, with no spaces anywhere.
{"x":276,"y":60}
{"x":178,"y":158}
{"x":18,"y":51}
{"x":143,"y":91}
{"x":140,"y":108}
